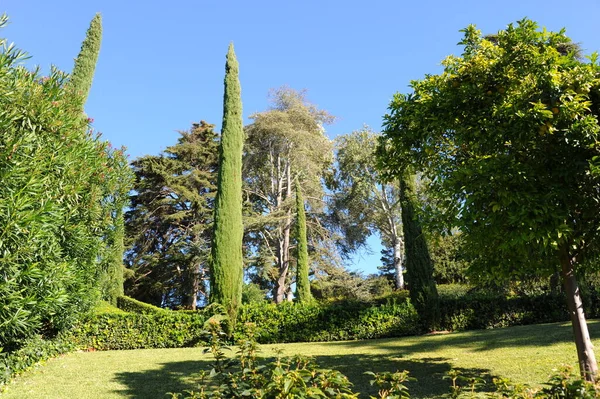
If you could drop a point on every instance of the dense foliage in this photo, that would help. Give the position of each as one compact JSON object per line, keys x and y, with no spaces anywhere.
{"x":303,"y":293}
{"x":169,"y":224}
{"x":227,"y":261}
{"x":85,"y":63}
{"x":57,"y":178}
{"x":509,"y":139}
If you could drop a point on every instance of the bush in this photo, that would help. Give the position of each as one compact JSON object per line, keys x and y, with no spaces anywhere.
{"x":31,"y":352}
{"x":482,"y":310}
{"x":58,"y":180}
{"x":294,"y":377}
{"x":343,"y":320}
{"x":128,"y":304}
{"x":110,"y":331}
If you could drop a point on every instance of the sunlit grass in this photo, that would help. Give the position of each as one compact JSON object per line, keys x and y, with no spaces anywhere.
{"x":525,"y":354}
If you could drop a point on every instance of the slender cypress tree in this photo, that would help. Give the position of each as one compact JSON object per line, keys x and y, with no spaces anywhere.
{"x":85,"y":63}
{"x":227,"y":267}
{"x":302,"y":284}
{"x":419,"y":267}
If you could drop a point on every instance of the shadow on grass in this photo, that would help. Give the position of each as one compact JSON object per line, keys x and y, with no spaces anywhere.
{"x":179,"y":376}
{"x":539,"y":335}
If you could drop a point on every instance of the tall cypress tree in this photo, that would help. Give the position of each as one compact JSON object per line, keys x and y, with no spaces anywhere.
{"x":227,"y":267}
{"x":302,"y":284}
{"x":85,"y":63}
{"x":419,"y":267}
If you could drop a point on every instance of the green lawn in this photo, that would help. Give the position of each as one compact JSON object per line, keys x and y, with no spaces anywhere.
{"x":524,"y":354}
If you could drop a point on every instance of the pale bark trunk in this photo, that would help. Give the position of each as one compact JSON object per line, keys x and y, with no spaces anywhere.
{"x":585,"y":350}
{"x":284,"y":244}
{"x":399,"y":277}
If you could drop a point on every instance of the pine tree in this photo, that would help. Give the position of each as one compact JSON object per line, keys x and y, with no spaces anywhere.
{"x":419,"y":267}
{"x":227,"y":266}
{"x":85,"y":63}
{"x":302,"y":284}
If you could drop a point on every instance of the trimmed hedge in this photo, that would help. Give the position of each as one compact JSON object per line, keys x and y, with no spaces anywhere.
{"x":110,"y":331}
{"x":391,"y":316}
{"x":134,"y":306}
{"x":484,"y":310}
{"x":344,"y":320}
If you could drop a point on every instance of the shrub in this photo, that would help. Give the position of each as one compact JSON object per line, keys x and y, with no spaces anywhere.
{"x":343,"y":320}
{"x":110,"y":331}
{"x":134,"y":306}
{"x":482,"y":310}
{"x":31,"y":351}
{"x":57,"y":181}
{"x":293,"y":377}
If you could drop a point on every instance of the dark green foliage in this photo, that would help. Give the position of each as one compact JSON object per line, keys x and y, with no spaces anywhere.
{"x":56,"y":181}
{"x":85,"y":63}
{"x":227,"y":261}
{"x":169,"y":224}
{"x":482,"y":310}
{"x":30,"y":352}
{"x":419,"y":267}
{"x":302,"y":267}
{"x":134,"y":306}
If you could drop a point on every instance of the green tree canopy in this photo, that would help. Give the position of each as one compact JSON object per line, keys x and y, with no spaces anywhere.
{"x":169,"y":224}
{"x":508,"y":137}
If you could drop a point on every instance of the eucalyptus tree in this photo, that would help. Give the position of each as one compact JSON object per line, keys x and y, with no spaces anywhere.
{"x":284,"y":143}
{"x":362,"y":203}
{"x":508,"y":135}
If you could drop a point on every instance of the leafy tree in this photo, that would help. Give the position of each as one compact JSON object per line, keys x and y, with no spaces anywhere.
{"x":509,"y":137}
{"x":362,"y":203}
{"x":56,"y":178}
{"x":85,"y":63}
{"x":227,"y":261}
{"x":170,"y":220}
{"x":285,"y":143}
{"x":302,"y":267}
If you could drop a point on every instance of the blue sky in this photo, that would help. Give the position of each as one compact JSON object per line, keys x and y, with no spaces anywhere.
{"x":161,"y":64}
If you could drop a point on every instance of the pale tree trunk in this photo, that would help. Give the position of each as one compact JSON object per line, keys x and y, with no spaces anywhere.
{"x":585,"y":350}
{"x":398,"y":261}
{"x":283,"y":253}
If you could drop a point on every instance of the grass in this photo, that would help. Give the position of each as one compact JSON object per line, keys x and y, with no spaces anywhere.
{"x":525,"y":354}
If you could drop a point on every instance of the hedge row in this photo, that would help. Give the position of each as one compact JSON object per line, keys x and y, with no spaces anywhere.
{"x":165,"y":329}
{"x":345,"y":320}
{"x":393,"y":316}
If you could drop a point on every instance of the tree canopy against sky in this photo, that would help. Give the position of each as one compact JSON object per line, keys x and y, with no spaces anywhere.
{"x":362,"y":204}
{"x":169,"y":225}
{"x":142,"y":108}
{"x":284,"y":143}
{"x":509,"y":139}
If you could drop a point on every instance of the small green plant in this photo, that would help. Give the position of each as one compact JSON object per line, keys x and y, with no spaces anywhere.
{"x":391,"y":385}
{"x":284,"y":377}
{"x":459,"y":382}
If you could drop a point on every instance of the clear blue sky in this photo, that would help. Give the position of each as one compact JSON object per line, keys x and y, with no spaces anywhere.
{"x":161,"y":64}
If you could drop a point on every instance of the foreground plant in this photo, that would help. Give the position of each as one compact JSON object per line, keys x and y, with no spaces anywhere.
{"x":285,"y":377}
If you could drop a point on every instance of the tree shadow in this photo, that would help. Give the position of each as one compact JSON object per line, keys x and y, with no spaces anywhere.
{"x":539,"y":335}
{"x":183,"y":376}
{"x":175,"y":377}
